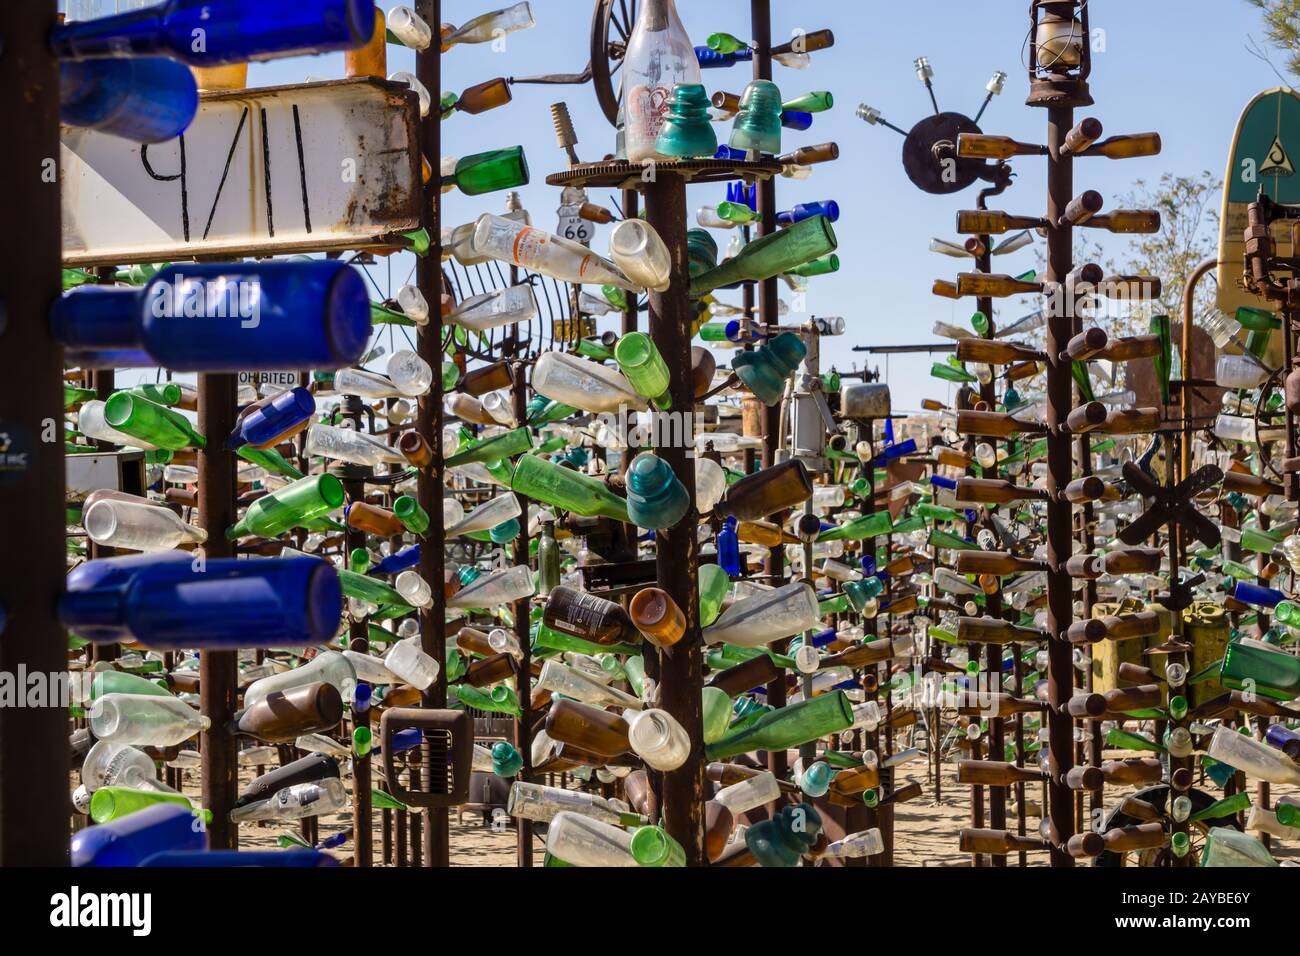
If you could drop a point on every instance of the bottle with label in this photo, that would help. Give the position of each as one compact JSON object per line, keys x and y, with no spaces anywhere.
{"x":659,"y":57}
{"x":589,"y":617}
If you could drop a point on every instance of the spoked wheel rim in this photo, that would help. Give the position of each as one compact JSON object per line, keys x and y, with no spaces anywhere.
{"x":611,"y":29}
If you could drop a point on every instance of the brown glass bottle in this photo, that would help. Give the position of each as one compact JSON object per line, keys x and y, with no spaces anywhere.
{"x":703,"y":365}
{"x":755,"y":672}
{"x":767,"y":492}
{"x":489,"y":670}
{"x":587,"y":728}
{"x":640,"y":795}
{"x":470,"y":640}
{"x":570,"y":611}
{"x":284,"y":716}
{"x":718,"y":824}
{"x":489,"y":378}
{"x":377,"y":521}
{"x":657,"y":616}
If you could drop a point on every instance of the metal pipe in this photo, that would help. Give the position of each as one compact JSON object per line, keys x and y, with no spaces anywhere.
{"x":218,"y":670}
{"x":34,"y":757}
{"x":429,"y":484}
{"x":681,"y":673}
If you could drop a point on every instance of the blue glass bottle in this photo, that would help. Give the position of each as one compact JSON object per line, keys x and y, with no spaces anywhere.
{"x":895,"y":451}
{"x":796,"y":120}
{"x":268,"y":422}
{"x":225,"y":317}
{"x":806,"y":210}
{"x":729,"y":548}
{"x":397,"y":562}
{"x":147,"y":100}
{"x":203,"y":33}
{"x":713,"y":60}
{"x":656,"y":498}
{"x":129,"y":840}
{"x":163,"y":601}
{"x":1254,"y":594}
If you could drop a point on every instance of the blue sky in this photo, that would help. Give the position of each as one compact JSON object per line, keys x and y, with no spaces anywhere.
{"x":1179,"y":67}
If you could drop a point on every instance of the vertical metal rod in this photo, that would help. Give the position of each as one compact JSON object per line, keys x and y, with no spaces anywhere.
{"x":761,"y":33}
{"x":359,"y":641}
{"x":218,"y":670}
{"x":34,"y":757}
{"x":429,"y":485}
{"x":515,"y":347}
{"x":1060,"y":541}
{"x":681,"y":672}
{"x":993,"y":605}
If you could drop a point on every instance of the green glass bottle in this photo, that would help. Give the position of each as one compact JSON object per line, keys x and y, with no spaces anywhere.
{"x":639,"y":358}
{"x":725,"y":43}
{"x":818,"y":102}
{"x":1127,"y":740}
{"x":75,"y":277}
{"x":771,"y":255}
{"x":687,"y":130}
{"x":414,"y":518}
{"x":270,"y":459}
{"x":75,"y":396}
{"x":548,"y":560}
{"x":1272,"y":673}
{"x":497,"y":448}
{"x":652,"y":846}
{"x":821,"y":266}
{"x":156,"y":424}
{"x":499,"y":700}
{"x":289,"y":507}
{"x":1256,"y":320}
{"x":489,"y":172}
{"x":738,"y":212}
{"x":358,"y":560}
{"x":860,"y":528}
{"x":950,"y":373}
{"x":946,"y":539}
{"x":1163,"y":359}
{"x":1252,"y":539}
{"x":758,"y":124}
{"x":713,"y":332}
{"x":913,"y":523}
{"x":550,"y":484}
{"x":1229,"y":806}
{"x":839,"y":604}
{"x":938,"y":513}
{"x":594,"y":349}
{"x":98,"y":683}
{"x":616,"y":297}
{"x":980,"y":323}
{"x":546,"y":639}
{"x":788,"y":726}
{"x":113,"y":803}
{"x":160,"y":393}
{"x":714,"y":587}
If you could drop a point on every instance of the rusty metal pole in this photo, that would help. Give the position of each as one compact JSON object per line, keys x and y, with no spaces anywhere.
{"x":433,"y":639}
{"x":218,"y":670}
{"x":1060,"y":540}
{"x":761,"y":32}
{"x":359,"y":641}
{"x":681,"y":673}
{"x":515,"y":346}
{"x":34,"y":760}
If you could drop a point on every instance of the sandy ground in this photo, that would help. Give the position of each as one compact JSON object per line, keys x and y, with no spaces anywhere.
{"x":925,"y":833}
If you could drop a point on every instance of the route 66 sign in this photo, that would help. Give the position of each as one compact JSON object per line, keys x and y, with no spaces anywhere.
{"x":572,"y":225}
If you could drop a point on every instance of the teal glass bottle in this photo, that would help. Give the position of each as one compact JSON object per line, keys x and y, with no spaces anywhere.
{"x":758,"y":125}
{"x":786,"y":837}
{"x":687,"y":129}
{"x":655,"y":497}
{"x":765,"y":370}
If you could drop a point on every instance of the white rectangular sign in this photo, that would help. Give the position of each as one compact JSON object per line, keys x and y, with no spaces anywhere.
{"x":314,"y":167}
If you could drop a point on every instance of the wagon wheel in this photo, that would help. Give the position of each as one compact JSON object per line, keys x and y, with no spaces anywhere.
{"x":1158,"y":797}
{"x":611,"y":28}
